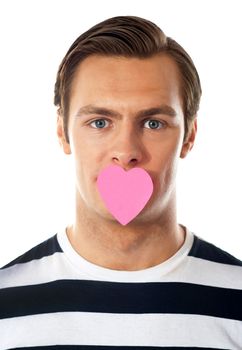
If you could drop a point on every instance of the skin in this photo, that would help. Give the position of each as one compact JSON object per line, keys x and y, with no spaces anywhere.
{"x":126,"y":86}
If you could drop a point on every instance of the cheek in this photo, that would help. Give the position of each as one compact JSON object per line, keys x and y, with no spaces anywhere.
{"x":165,"y":162}
{"x":82,"y":158}
{"x":87,"y":146}
{"x":87,"y":158}
{"x":165,"y":152}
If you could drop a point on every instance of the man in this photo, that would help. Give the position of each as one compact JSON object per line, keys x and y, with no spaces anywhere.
{"x":127,"y":99}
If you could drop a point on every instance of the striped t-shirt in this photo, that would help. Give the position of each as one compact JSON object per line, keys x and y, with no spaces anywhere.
{"x":52,"y":298}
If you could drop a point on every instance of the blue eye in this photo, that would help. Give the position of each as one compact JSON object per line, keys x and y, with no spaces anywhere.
{"x":99,"y":123}
{"x":154,"y":124}
{"x":102,"y":123}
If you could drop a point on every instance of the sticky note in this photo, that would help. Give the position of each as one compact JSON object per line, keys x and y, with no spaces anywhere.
{"x":124,"y":193}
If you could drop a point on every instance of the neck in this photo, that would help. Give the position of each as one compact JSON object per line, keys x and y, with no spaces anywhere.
{"x":135,"y":246}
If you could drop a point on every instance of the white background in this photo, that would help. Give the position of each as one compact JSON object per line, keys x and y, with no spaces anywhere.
{"x":36,"y":178}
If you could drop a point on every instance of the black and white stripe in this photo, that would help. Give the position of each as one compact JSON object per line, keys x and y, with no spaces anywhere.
{"x":50,"y":298}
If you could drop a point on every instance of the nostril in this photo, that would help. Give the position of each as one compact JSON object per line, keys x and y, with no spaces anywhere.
{"x":125,"y":160}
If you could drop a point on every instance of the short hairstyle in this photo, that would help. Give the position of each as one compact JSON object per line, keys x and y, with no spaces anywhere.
{"x":127,"y":36}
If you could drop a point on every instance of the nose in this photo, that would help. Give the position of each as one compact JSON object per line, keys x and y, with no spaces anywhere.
{"x":127,"y":150}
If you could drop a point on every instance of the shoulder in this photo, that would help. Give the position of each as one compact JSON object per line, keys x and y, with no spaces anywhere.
{"x":45,"y":248}
{"x":210,"y":252}
{"x":210,"y":265}
{"x":28,"y":265}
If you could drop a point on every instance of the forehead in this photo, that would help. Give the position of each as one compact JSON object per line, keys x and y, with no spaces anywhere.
{"x":104,"y":77}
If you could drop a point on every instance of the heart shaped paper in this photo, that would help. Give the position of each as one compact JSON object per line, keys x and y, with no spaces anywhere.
{"x":125,"y":193}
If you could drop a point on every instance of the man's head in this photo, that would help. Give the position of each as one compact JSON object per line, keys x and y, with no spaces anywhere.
{"x":133,"y":37}
{"x":127,"y":96}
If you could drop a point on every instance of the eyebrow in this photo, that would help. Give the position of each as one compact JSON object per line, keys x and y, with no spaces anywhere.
{"x":92,"y":109}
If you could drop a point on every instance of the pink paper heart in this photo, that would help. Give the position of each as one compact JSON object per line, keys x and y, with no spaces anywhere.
{"x":125,"y":193}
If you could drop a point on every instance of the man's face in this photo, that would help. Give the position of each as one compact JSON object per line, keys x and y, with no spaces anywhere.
{"x":127,"y":112}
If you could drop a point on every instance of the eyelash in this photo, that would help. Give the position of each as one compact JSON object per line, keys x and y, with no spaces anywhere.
{"x":147,"y":120}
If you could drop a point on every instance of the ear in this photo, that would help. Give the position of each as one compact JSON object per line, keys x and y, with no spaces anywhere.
{"x":190,"y":139}
{"x":61,"y":135}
